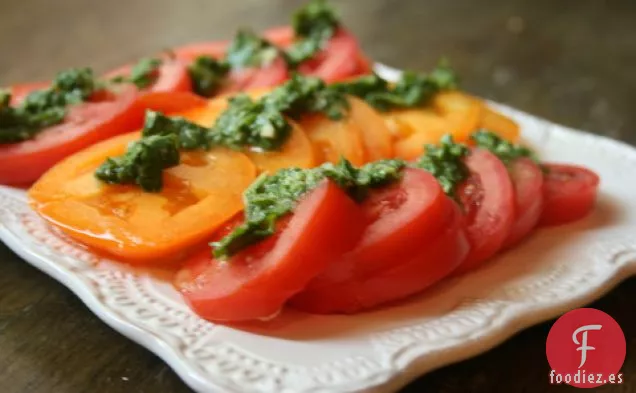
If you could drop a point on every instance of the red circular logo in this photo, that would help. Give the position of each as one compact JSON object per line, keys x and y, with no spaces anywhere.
{"x":586,"y":348}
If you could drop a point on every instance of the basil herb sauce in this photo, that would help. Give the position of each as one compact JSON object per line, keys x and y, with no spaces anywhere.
{"x":272,"y":197}
{"x":313,"y":25}
{"x":446,"y":163}
{"x":503,"y":149}
{"x":412,"y":90}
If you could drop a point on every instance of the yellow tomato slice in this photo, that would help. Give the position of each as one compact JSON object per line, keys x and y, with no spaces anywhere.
{"x":296,"y":152}
{"x":416,"y":128}
{"x":499,"y":124}
{"x":199,"y":195}
{"x":462,"y":112}
{"x":333,"y":139}
{"x":376,"y":136}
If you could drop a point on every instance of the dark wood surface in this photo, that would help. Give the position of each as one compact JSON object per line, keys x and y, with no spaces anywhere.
{"x":571,"y":61}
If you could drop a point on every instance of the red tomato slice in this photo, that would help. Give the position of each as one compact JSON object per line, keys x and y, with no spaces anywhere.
{"x":487,"y":197}
{"x":527,"y":180}
{"x":434,"y":259}
{"x":337,"y":62}
{"x":258,"y":281}
{"x":85,"y":124}
{"x":569,"y":193}
{"x":190,"y":52}
{"x":256,"y":78}
{"x":173,"y":76}
{"x":272,"y":75}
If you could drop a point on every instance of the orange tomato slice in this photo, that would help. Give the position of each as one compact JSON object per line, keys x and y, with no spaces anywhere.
{"x":376,"y":136}
{"x":333,"y":139}
{"x":296,"y":152}
{"x":462,"y":112}
{"x":499,"y":124}
{"x":417,"y":128}
{"x":199,"y":195}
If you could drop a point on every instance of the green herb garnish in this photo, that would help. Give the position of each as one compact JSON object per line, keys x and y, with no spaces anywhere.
{"x":272,"y":197}
{"x":303,"y":94}
{"x":412,"y":90}
{"x":313,"y":25}
{"x":445,"y":162}
{"x":250,"y":123}
{"x":505,"y":150}
{"x":46,"y":107}
{"x":189,"y":136}
{"x":246,"y":123}
{"x":250,"y":50}
{"x":142,"y":74}
{"x":207,"y":75}
{"x":142,"y":164}
{"x":262,"y":124}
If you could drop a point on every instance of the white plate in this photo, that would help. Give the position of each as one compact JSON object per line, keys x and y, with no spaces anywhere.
{"x":555,"y":270}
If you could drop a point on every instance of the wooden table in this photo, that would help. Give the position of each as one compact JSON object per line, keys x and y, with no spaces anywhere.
{"x":571,"y":61}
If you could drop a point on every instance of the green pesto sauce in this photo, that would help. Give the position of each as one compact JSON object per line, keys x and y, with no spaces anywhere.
{"x":207,"y":75}
{"x":412,"y":90}
{"x":446,"y":163}
{"x":313,"y":26}
{"x":503,"y":149}
{"x":272,"y":197}
{"x":142,"y":164}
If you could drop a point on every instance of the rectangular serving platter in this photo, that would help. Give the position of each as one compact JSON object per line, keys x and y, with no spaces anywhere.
{"x":555,"y":270}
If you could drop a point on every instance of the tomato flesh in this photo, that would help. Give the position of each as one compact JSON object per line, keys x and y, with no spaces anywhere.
{"x":569,"y":193}
{"x":487,"y":197}
{"x":435,"y":258}
{"x":257,"y":282}
{"x":527,"y":179}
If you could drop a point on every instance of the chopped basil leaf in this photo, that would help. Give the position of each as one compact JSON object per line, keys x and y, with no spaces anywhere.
{"x":304,"y":94}
{"x":46,"y":107}
{"x":250,"y":123}
{"x":446,"y":163}
{"x":313,"y":25}
{"x":272,"y":197}
{"x":262,"y":123}
{"x":207,"y":75}
{"x":143,"y":163}
{"x":412,"y":90}
{"x":145,"y":72}
{"x":250,"y":50}
{"x":189,"y":136}
{"x":505,"y":150}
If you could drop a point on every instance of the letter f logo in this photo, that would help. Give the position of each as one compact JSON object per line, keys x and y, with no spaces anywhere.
{"x":583,"y":344}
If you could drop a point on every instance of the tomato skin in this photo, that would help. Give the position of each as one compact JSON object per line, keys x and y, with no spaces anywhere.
{"x":257,"y":282}
{"x":85,"y":124}
{"x":569,"y":192}
{"x":527,"y":180}
{"x":435,"y":259}
{"x":487,"y":197}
